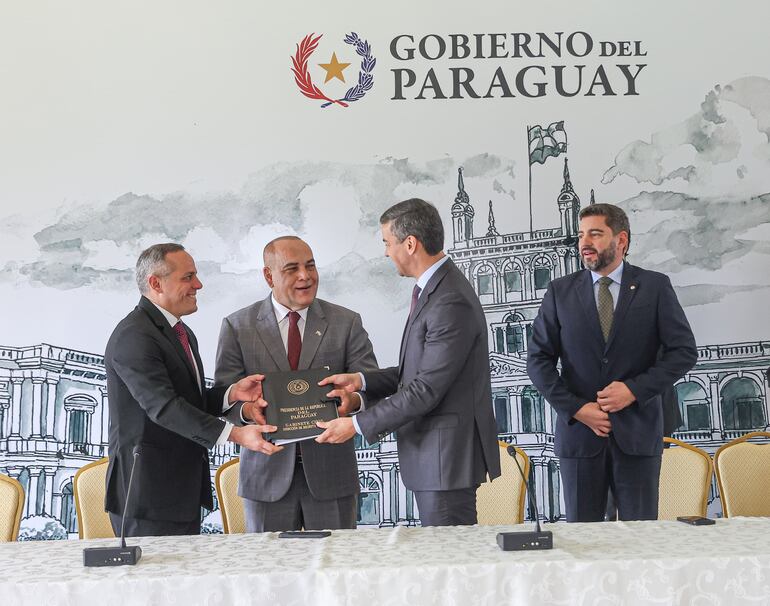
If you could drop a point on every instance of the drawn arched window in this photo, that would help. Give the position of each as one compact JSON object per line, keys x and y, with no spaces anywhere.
{"x":554,"y":491}
{"x":694,"y":406}
{"x":68,"y":517}
{"x":542,"y":277}
{"x":501,"y":414}
{"x":485,"y":281}
{"x":742,"y":404}
{"x":532,"y":411}
{"x":369,"y":500}
{"x":514,"y":333}
{"x":77,"y":427}
{"x":514,"y":284}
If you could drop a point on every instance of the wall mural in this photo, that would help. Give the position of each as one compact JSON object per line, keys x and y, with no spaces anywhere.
{"x":694,"y":184}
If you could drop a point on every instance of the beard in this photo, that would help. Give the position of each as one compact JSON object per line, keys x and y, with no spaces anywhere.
{"x":603,"y":259}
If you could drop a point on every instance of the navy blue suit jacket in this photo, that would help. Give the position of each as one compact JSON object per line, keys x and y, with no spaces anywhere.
{"x":650,"y":347}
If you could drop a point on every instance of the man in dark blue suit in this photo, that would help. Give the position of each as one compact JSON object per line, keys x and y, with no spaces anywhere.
{"x":622,"y":338}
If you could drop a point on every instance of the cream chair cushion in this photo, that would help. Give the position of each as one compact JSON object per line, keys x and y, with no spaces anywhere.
{"x":89,"y":488}
{"x":501,"y":501}
{"x":743,"y":470}
{"x":685,"y":481}
{"x":230,"y":503}
{"x":11,"y":506}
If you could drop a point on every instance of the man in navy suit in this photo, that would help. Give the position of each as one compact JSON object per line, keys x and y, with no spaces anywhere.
{"x":622,"y":339}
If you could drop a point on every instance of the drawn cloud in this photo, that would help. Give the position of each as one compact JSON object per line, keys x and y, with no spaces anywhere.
{"x":733,"y":124}
{"x":98,"y":244}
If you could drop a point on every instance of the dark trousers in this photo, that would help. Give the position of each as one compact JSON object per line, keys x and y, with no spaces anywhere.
{"x":447,"y":507}
{"x":138,"y":527}
{"x":632,"y":479}
{"x":298,"y":509}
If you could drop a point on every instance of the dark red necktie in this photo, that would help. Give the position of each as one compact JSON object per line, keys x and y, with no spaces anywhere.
{"x":415,"y":296}
{"x":181,"y":334}
{"x":294,"y":342}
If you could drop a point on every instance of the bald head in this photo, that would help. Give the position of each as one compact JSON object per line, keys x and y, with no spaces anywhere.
{"x":290,"y":272}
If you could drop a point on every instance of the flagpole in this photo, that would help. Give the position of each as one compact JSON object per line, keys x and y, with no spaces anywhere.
{"x":529,"y":165}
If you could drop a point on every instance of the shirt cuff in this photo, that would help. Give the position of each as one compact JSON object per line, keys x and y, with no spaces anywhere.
{"x":225,"y":435}
{"x":357,"y":428}
{"x":363,"y":381}
{"x":226,"y":401}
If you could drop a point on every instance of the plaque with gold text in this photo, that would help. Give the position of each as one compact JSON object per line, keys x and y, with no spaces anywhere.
{"x":296,"y":402}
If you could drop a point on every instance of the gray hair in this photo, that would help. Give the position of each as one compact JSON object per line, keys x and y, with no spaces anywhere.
{"x":152,"y":262}
{"x":614,"y":216}
{"x":418,"y":218}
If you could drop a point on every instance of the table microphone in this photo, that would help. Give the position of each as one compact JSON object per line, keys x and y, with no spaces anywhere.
{"x":526,"y":540}
{"x":116,"y":556}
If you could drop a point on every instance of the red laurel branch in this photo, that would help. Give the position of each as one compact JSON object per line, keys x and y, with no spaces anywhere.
{"x":301,"y":73}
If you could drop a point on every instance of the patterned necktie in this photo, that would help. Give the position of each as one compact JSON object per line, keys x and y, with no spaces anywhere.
{"x":294,"y":342}
{"x":415,"y":296}
{"x":181,"y":334}
{"x":605,"y":306}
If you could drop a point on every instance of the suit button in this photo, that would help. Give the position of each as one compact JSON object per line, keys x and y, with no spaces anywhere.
{"x":605,"y":360}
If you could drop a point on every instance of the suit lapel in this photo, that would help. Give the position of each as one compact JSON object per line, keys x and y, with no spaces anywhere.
{"x":315,"y":328}
{"x":585,"y":291}
{"x":629,"y":284}
{"x":170,"y":335}
{"x":267,"y":331}
{"x":425,"y":295}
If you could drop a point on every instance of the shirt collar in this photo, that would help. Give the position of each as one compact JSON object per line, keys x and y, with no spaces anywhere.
{"x":422,"y":281}
{"x":281,"y":311}
{"x":170,"y":318}
{"x":615,"y":276}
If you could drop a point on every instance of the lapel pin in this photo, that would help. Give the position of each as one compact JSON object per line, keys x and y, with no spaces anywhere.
{"x":633,"y":286}
{"x":318,"y":332}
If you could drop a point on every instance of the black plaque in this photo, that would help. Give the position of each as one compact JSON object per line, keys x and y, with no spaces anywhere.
{"x":295,"y":402}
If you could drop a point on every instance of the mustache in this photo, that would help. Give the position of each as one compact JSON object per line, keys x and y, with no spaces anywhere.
{"x":588,"y":249}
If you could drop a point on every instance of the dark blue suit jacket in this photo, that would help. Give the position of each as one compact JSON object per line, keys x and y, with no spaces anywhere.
{"x":650,"y":347}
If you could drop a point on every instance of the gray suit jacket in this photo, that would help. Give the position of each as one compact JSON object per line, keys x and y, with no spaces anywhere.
{"x":249,"y":342}
{"x":439,"y":398}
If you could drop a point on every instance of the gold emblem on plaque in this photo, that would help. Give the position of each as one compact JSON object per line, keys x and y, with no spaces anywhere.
{"x":297,"y":387}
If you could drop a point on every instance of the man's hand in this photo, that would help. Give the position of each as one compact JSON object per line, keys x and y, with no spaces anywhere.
{"x":593,"y":416}
{"x":250,"y":436}
{"x":616,"y":396}
{"x":254,"y":411}
{"x":337,"y":431}
{"x":248,"y":389}
{"x":349,"y":382}
{"x":349,"y":402}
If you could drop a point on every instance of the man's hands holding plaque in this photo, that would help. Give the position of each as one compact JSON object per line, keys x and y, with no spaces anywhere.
{"x":345,"y":388}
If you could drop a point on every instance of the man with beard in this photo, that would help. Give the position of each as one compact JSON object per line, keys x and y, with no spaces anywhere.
{"x":622,"y":339}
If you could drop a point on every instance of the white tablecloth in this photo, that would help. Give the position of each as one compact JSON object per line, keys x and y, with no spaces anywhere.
{"x":600,"y":564}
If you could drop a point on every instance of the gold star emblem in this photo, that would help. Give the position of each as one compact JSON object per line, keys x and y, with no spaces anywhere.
{"x":334,"y":68}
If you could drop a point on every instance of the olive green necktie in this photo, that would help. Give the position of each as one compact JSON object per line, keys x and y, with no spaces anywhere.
{"x":605,"y":306}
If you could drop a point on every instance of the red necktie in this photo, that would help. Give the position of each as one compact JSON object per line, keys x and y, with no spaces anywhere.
{"x":294,"y":342}
{"x":181,"y":334}
{"x":415,"y":296}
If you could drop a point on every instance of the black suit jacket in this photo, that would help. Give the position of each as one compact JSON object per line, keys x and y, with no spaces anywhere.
{"x":648,"y":320}
{"x":156,"y":403}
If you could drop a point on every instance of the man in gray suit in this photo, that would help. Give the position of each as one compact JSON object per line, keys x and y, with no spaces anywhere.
{"x":307,"y":485}
{"x":439,"y":396}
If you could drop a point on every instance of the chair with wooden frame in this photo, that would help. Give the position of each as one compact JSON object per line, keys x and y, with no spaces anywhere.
{"x":501,"y":501}
{"x":743,"y":475}
{"x":89,"y":488}
{"x":230,"y":504}
{"x":685,"y":481}
{"x":11,"y":507}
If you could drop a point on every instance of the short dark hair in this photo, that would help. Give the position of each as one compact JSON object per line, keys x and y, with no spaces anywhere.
{"x":418,"y":218}
{"x":152,"y":262}
{"x":614,"y":216}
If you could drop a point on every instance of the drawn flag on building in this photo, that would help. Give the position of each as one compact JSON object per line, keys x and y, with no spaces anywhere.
{"x":546,"y":142}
